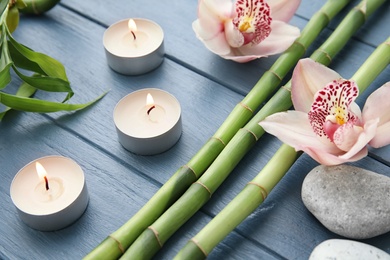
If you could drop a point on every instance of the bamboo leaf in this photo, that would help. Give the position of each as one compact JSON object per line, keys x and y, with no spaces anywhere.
{"x":25,"y":58}
{"x":45,"y":83}
{"x":3,"y":5}
{"x":5,"y":76}
{"x":40,"y":106}
{"x":25,"y":90}
{"x":5,"y":62}
{"x":20,"y":4}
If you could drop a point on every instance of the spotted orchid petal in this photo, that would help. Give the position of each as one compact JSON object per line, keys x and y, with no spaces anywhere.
{"x":330,"y":109}
{"x":378,"y":106}
{"x":245,"y":30}
{"x":283,"y":35}
{"x":309,"y":77}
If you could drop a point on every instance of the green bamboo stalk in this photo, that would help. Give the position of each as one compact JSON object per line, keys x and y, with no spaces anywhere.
{"x":257,"y":189}
{"x":152,"y":239}
{"x":116,"y":243}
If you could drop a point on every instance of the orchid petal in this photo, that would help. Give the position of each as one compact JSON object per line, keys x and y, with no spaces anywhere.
{"x":209,"y":27}
{"x":382,"y":136}
{"x":378,"y":106}
{"x":233,"y":36}
{"x":283,"y":10}
{"x":346,"y":136}
{"x":209,"y":21}
{"x":294,"y":129}
{"x":309,"y":77}
{"x":281,"y":37}
{"x":333,"y":159}
{"x":362,"y":140}
{"x":216,"y":44}
{"x":222,"y":9}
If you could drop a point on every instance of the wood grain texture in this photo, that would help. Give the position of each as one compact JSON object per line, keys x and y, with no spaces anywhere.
{"x":120,"y":182}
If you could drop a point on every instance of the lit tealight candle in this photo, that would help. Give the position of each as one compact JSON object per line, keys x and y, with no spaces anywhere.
{"x":50,"y":193}
{"x":148,"y":121}
{"x":134,"y":46}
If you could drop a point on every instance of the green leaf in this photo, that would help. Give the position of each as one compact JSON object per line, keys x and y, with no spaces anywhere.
{"x":20,"y":4}
{"x":5,"y":61}
{"x":25,"y":58}
{"x":40,"y":106}
{"x":25,"y":90}
{"x":45,"y":83}
{"x":5,"y":76}
{"x":3,"y":5}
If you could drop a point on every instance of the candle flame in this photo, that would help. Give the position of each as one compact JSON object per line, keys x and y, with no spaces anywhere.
{"x":132,"y":25}
{"x":149,"y":100}
{"x":40,"y":170}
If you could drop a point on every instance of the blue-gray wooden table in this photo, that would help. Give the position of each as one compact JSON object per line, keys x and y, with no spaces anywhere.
{"x":208,"y":88}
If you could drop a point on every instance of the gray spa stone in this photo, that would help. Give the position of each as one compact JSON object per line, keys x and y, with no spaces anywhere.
{"x":342,"y":249}
{"x":349,"y":201}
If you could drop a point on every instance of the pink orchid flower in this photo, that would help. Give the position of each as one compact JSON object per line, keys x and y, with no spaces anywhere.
{"x":327,"y":124}
{"x":248,"y":29}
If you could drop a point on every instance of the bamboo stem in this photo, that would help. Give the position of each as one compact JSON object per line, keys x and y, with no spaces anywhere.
{"x":253,"y":194}
{"x":218,"y":171}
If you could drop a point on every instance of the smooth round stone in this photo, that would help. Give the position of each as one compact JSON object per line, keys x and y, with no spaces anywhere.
{"x":341,"y":249}
{"x":349,"y":201}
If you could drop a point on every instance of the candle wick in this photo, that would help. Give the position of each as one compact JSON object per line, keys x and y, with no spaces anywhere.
{"x":46,"y":183}
{"x":150,"y":109}
{"x":135,"y":38}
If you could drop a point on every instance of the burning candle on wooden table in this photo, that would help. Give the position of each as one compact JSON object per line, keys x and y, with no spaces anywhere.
{"x":148,"y":121}
{"x":134,"y":46}
{"x":50,"y":193}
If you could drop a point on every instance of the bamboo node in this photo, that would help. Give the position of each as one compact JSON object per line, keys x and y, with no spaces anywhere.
{"x":204,"y":186}
{"x":120,"y":246}
{"x":155,"y":232}
{"x":192,"y":170}
{"x":326,"y":54}
{"x":219,"y":139}
{"x":249,"y":131}
{"x":286,"y":88}
{"x":326,"y":15}
{"x":193,"y":240}
{"x":263,"y":191}
{"x":275,"y":74}
{"x":362,"y":9}
{"x":302,"y":45}
{"x":246,"y":107}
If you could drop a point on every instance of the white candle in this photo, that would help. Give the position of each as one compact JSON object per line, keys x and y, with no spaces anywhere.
{"x":148,"y":127}
{"x":134,"y":46}
{"x":50,"y":193}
